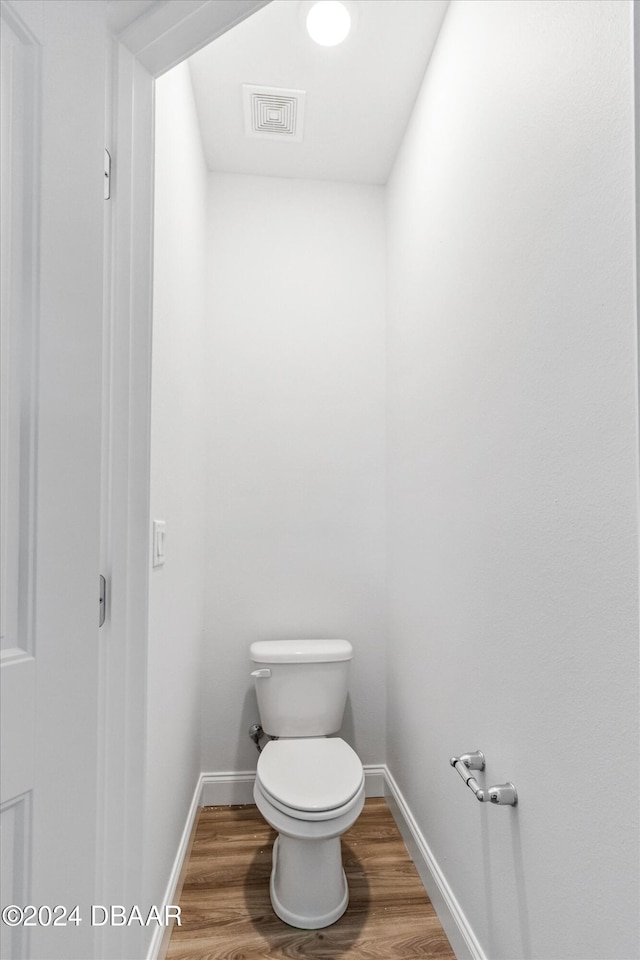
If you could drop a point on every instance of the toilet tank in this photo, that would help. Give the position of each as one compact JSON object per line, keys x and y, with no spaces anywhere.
{"x":301,"y":685}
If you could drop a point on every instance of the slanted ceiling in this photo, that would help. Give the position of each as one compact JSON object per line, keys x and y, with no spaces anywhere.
{"x":359,"y":95}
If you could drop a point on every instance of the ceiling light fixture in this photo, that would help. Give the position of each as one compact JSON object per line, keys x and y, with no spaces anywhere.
{"x":328,"y":22}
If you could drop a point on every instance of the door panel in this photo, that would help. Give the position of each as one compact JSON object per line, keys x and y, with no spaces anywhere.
{"x":19,"y":198}
{"x":69,"y":453}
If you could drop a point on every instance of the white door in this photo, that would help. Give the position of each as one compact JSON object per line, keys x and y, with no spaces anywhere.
{"x":53,"y":57}
{"x":17,"y":664}
{"x":71,"y":823}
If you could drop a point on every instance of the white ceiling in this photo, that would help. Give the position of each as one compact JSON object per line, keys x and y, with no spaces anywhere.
{"x":359,"y":95}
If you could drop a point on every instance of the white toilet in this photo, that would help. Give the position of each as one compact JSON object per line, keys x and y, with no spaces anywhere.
{"x":309,"y":786}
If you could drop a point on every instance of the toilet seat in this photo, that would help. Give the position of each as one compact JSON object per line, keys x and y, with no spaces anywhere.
{"x":310,"y":779}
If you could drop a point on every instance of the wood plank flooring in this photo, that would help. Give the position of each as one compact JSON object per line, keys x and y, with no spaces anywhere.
{"x":227,"y":915}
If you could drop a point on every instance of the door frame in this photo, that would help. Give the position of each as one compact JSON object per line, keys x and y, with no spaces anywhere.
{"x":142,"y":48}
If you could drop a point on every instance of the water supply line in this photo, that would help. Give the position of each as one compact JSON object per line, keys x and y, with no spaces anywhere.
{"x":256,"y":733}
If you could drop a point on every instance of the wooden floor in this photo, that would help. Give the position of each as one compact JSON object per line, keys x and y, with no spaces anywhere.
{"x":227,"y":915}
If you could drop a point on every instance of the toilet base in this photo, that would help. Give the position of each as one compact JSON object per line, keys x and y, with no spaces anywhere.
{"x":308,"y":886}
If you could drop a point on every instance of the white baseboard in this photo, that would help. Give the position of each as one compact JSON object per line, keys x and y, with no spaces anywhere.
{"x":160,"y":938}
{"x":226,"y":788}
{"x":229,"y":787}
{"x":375,"y":784}
{"x":236,"y":787}
{"x":463,"y":941}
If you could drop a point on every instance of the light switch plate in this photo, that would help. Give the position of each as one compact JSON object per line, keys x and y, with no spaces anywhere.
{"x":159,"y":533}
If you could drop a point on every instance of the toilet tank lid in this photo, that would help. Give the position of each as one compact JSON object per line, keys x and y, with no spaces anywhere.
{"x":300,"y":651}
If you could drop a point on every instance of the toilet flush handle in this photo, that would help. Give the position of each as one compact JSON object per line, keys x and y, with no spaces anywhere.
{"x":264,"y":672}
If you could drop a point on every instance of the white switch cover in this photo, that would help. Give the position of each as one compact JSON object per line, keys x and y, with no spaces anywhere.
{"x":159,"y":533}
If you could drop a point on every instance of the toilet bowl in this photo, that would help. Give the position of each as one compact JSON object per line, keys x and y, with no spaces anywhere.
{"x":310,"y":790}
{"x":309,"y":784}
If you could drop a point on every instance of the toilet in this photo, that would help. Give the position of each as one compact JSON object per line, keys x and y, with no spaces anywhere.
{"x":309,"y":785}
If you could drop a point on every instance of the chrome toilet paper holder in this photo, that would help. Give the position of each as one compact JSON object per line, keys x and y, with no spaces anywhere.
{"x":503,"y":794}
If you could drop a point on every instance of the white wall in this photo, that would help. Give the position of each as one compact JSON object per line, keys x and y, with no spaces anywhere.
{"x":295,"y":394}
{"x":513,"y":472}
{"x":176,"y":595}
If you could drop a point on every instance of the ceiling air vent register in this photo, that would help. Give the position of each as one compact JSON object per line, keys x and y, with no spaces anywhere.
{"x":271,"y":113}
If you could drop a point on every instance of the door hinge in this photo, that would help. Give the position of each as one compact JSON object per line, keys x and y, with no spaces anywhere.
{"x":102,"y":601}
{"x":107,"y":175}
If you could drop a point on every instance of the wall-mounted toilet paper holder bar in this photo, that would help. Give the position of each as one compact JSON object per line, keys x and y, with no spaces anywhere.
{"x":502,"y":793}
